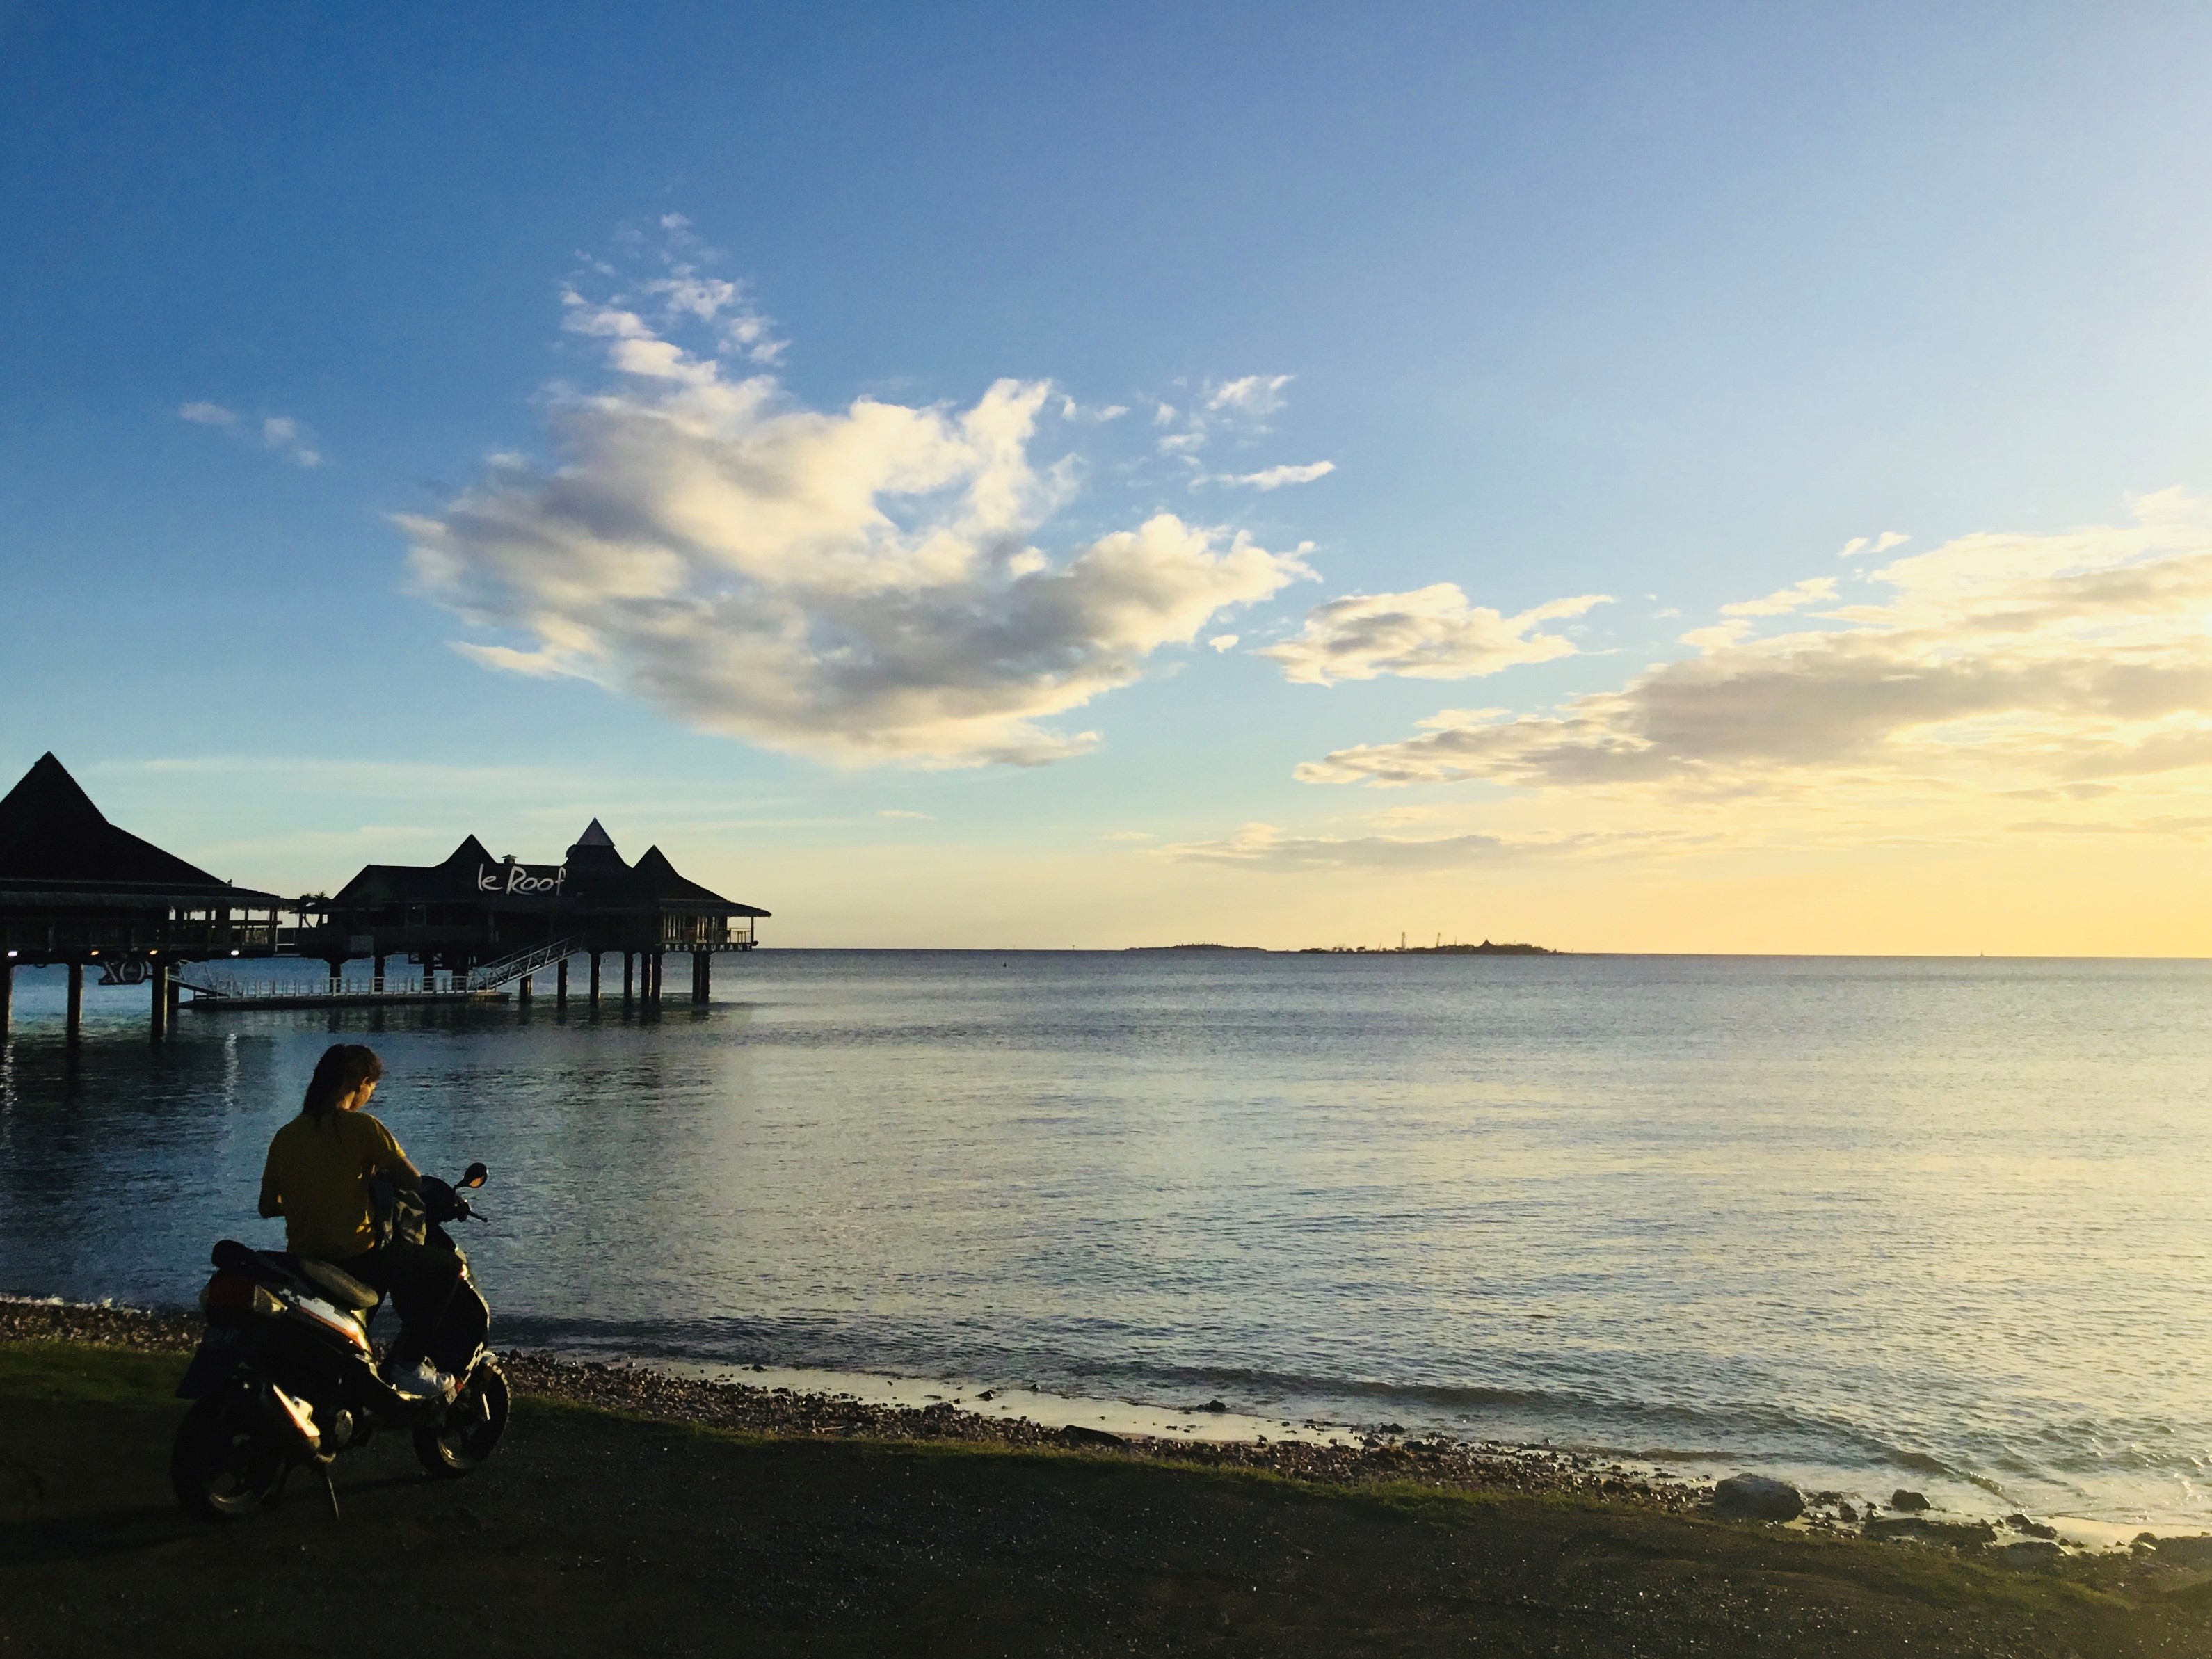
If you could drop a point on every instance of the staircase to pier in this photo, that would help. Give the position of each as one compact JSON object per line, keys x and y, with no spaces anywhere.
{"x":521,"y":965}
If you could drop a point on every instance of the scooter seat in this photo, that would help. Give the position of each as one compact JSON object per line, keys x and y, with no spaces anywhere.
{"x":343,"y":1287}
{"x":281,"y":1268}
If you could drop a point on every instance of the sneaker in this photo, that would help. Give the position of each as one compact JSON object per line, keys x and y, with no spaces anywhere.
{"x":423,"y":1381}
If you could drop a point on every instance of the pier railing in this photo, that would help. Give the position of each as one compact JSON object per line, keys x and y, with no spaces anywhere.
{"x":224,"y":988}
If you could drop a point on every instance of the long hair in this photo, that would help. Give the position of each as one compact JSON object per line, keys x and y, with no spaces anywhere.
{"x":344,"y":1068}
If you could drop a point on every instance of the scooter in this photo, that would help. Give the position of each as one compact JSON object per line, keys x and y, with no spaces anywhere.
{"x":284,"y":1377}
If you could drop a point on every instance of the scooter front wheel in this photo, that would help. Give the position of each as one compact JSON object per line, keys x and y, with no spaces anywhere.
{"x":225,"y":1463}
{"x":471,"y":1426}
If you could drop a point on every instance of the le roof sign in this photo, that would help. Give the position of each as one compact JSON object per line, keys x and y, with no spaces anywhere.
{"x":522,"y":880}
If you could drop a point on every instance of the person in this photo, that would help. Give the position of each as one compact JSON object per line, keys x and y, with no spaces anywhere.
{"x":318,"y":1176}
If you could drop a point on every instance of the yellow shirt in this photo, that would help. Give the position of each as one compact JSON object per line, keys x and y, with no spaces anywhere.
{"x":319,"y":1172}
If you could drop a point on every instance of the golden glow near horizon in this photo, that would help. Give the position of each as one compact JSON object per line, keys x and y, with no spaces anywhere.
{"x":1998,"y":745}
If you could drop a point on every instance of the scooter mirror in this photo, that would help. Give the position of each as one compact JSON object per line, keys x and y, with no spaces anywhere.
{"x":476,"y":1176}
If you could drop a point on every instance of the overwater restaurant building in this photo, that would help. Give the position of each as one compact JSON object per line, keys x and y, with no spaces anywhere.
{"x":479,"y":918}
{"x":76,"y":890}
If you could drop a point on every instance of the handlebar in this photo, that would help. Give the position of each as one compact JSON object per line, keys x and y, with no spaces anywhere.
{"x":442,"y":1202}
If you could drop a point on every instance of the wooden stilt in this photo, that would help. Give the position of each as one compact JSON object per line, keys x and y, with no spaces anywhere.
{"x":560,"y":984}
{"x":627,"y":962}
{"x":702,"y":968}
{"x":160,"y":999}
{"x":522,"y":991}
{"x":6,"y":992}
{"x":595,"y":979}
{"x":75,"y":1022}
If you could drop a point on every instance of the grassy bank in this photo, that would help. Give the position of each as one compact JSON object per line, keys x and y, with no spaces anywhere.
{"x":600,"y":1532}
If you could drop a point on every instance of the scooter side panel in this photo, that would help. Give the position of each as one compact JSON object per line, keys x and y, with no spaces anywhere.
{"x":220,"y":1351}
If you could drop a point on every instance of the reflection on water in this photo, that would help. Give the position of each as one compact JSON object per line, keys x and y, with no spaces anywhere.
{"x":1934,"y":1222}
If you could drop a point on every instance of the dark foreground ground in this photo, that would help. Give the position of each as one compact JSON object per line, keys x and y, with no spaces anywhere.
{"x":595,"y":1532}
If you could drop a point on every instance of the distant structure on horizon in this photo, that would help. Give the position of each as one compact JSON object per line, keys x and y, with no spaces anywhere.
{"x":1402,"y":949}
{"x":1485,"y":949}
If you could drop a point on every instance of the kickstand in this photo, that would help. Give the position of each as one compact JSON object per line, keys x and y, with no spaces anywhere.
{"x":330,"y":1489}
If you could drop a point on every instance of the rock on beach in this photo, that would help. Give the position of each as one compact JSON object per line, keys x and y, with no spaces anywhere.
{"x":1757,"y":1498}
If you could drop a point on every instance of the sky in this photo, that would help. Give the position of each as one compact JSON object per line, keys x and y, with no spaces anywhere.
{"x":1694,"y":478}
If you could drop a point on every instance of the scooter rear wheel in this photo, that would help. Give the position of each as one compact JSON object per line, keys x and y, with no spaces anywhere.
{"x":472,"y":1425}
{"x":225,"y":1461}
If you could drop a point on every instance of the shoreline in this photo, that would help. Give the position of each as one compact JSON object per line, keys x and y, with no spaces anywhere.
{"x":714,"y":1398}
{"x":718,"y":1402}
{"x":617,"y":1516}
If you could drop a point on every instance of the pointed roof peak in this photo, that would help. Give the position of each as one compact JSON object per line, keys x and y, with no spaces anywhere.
{"x":470,"y":851}
{"x":48,"y":792}
{"x":52,"y":837}
{"x":595,"y":836}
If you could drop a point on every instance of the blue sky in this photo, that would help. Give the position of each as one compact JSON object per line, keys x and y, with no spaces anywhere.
{"x":1574,"y":301}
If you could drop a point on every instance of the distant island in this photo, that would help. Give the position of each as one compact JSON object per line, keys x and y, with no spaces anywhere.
{"x":1485,"y":949}
{"x":1260,"y":949}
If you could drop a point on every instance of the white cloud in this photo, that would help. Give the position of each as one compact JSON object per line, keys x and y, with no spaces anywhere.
{"x":1266,"y":848}
{"x":1717,"y":635}
{"x":1127,"y":834}
{"x":282,"y":433}
{"x":1238,"y":409}
{"x":2000,"y":660}
{"x":902,"y":812}
{"x":279,"y":433}
{"x":1877,"y":545}
{"x":1275,"y":477}
{"x":856,"y":585}
{"x":1254,"y":397}
{"x":685,"y":294}
{"x":1223,"y":641}
{"x":1813,"y":589}
{"x":1431,"y":633}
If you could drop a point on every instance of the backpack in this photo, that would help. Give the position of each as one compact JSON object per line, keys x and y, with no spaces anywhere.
{"x":396,"y":1213}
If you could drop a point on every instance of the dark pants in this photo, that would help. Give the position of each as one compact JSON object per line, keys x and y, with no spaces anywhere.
{"x":420,"y":1279}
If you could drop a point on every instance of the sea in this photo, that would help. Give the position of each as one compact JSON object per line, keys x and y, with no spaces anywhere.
{"x":1862,"y":1223}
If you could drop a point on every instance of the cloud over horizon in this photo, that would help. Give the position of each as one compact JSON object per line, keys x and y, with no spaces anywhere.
{"x":1999,"y":659}
{"x":1431,"y":633}
{"x":1266,"y":848}
{"x":859,"y":586}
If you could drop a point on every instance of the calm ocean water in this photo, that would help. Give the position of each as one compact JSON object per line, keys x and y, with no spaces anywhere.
{"x":1943,"y":1224}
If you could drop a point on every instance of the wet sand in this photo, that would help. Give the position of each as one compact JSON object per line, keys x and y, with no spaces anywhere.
{"x":633,"y":1511}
